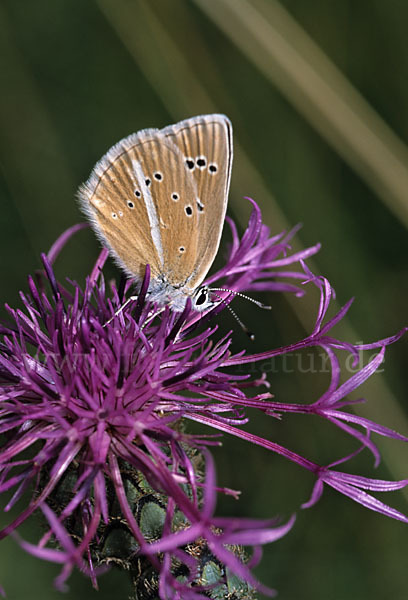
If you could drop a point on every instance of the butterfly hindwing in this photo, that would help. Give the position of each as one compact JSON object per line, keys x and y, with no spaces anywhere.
{"x":138,"y":198}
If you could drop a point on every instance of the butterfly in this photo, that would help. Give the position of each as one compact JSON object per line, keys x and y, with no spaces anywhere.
{"x":158,"y":197}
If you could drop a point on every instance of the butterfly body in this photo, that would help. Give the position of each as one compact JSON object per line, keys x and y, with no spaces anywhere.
{"x":159,"y":197}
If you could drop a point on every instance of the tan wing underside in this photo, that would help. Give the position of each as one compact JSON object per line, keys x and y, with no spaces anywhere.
{"x":151,"y":223}
{"x":210,"y":137}
{"x":154,"y":228}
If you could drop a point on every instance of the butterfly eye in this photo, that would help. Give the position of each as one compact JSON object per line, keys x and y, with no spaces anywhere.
{"x":189,"y":210}
{"x":202,"y":298}
{"x":212,"y":168}
{"x":175,"y":197}
{"x":158,"y":176}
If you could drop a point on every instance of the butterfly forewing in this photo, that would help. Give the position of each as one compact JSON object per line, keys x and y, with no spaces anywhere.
{"x":206,"y":143}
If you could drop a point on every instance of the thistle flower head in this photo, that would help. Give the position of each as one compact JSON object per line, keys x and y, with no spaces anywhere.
{"x":94,"y":410}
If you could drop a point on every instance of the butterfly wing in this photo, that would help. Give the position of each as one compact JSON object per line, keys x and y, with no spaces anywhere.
{"x":141,"y":201}
{"x":159,"y":197}
{"x":206,"y":144}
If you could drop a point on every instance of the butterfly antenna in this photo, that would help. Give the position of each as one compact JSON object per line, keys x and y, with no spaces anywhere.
{"x":260,"y":304}
{"x":236,"y":317}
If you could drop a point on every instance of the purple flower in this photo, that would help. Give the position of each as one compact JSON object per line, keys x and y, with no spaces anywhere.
{"x":94,"y":411}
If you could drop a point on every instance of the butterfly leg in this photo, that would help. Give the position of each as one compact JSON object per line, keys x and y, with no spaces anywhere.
{"x":120,"y":309}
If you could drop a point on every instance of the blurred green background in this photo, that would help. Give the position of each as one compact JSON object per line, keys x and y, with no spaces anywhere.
{"x":317,"y":92}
